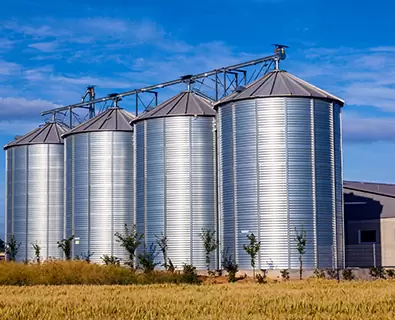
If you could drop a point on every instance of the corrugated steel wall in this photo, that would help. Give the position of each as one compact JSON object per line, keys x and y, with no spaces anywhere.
{"x":277,"y":172}
{"x":99,"y":191}
{"x":34,"y":198}
{"x":175,"y":185}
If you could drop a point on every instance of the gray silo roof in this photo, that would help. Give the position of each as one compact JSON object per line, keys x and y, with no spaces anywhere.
{"x":49,"y":133}
{"x":186,"y":103}
{"x":113,"y":119}
{"x":280,"y":83}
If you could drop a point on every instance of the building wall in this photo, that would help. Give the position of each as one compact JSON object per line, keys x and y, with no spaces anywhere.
{"x":388,"y":242}
{"x":367,"y":211}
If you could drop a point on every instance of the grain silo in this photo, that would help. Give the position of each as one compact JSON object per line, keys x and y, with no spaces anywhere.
{"x":175,"y":176}
{"x":280,"y":168}
{"x":34,"y":191}
{"x":99,"y":183}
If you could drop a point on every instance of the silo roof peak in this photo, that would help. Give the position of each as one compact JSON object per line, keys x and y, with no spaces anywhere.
{"x":280,"y":83}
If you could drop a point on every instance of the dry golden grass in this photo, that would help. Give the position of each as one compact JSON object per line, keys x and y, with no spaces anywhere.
{"x":77,"y":273}
{"x":310,"y":299}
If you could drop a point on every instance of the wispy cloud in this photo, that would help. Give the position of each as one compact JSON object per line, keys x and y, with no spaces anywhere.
{"x":9,"y":68}
{"x":363,"y":77}
{"x":17,"y":107}
{"x":17,"y":127}
{"x":45,"y":46}
{"x":6,"y":44}
{"x":364,"y":129}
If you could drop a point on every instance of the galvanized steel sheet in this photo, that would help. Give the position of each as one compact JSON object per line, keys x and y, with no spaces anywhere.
{"x":279,"y":171}
{"x":175,"y":185}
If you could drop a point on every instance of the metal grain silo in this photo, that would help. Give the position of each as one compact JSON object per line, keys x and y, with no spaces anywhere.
{"x":99,"y":183}
{"x":175,"y":176}
{"x":34,"y":191}
{"x":280,"y":168}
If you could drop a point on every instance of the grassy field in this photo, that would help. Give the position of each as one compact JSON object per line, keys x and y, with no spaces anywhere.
{"x":294,"y":300}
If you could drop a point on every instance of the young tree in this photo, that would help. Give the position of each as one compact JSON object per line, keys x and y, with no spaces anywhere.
{"x":210,"y":245}
{"x":37,"y":251}
{"x":12,"y":248}
{"x":131,"y":240}
{"x":301,"y":243}
{"x":147,"y":259}
{"x":162,"y":243}
{"x":65,"y":245}
{"x":2,"y":245}
{"x":252,"y":249}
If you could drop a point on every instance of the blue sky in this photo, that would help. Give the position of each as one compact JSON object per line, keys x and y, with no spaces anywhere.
{"x":50,"y":51}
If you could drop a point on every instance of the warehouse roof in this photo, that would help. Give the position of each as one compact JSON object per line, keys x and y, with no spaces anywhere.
{"x":370,"y":187}
{"x":113,"y":119}
{"x":183,"y":104}
{"x":48,"y":133}
{"x":280,"y":83}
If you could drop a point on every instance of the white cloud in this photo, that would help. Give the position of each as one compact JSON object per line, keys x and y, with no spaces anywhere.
{"x":358,"y":128}
{"x":362,"y":77}
{"x":6,"y":44}
{"x":50,"y":46}
{"x":9,"y":68}
{"x":17,"y":107}
{"x":17,"y":127}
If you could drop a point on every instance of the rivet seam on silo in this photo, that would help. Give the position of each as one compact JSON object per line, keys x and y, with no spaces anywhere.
{"x":215,"y":195}
{"x":27,"y":200}
{"x":165,"y":217}
{"x":287,"y":182}
{"x":145,"y":176}
{"x":332,"y":147}
{"x":314,"y":188}
{"x":190,"y":191}
{"x":47,"y":231}
{"x":112,"y":237}
{"x":257,"y":180}
{"x":235,"y":212}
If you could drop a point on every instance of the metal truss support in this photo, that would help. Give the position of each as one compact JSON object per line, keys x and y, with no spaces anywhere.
{"x":225,"y":80}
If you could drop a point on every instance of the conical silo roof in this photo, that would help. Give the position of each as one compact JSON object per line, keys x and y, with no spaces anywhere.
{"x":113,"y":119}
{"x":49,"y":133}
{"x":186,"y":103}
{"x":280,"y":83}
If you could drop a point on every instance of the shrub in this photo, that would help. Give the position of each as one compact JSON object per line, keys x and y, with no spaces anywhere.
{"x":110,"y":260}
{"x":377,"y":273}
{"x":230,"y":266}
{"x":332,"y":273}
{"x":320,"y":274}
{"x":170,"y":266}
{"x":147,"y":259}
{"x":189,"y":274}
{"x":261,"y":278}
{"x":390,"y":273}
{"x":284,"y":274}
{"x":348,"y":274}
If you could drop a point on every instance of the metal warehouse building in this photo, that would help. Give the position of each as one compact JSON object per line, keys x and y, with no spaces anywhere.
{"x":369,"y":213}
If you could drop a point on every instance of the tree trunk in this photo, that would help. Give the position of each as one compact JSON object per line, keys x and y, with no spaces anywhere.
{"x":300,"y":267}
